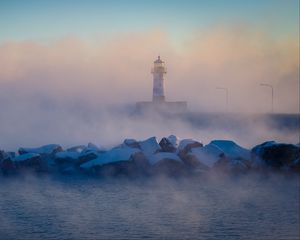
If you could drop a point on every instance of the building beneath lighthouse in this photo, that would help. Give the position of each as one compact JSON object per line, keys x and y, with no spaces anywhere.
{"x":159,"y":102}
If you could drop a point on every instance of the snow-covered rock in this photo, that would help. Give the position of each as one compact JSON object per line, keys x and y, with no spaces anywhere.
{"x":67,"y":154}
{"x":207,"y":155}
{"x":113,"y":155}
{"x":78,"y":149}
{"x":167,"y":145}
{"x":234,"y":157}
{"x":232,"y":150}
{"x":131,"y":143}
{"x":26,"y":157}
{"x":276,"y":155}
{"x":186,"y":145}
{"x":160,"y":156}
{"x":67,"y":157}
{"x":174,"y":140}
{"x":167,"y":163}
{"x":6,"y":164}
{"x":140,"y":161}
{"x":221,"y":154}
{"x":93,"y":147}
{"x":32,"y":160}
{"x":149,"y":146}
{"x":46,"y":149}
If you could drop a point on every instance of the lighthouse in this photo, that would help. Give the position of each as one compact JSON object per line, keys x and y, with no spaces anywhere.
{"x":159,"y":103}
{"x":158,"y":71}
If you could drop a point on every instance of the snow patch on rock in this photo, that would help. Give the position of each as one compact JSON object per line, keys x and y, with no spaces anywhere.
{"x":113,"y":155}
{"x":155,"y":158}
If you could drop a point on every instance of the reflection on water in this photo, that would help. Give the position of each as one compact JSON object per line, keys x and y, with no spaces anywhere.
{"x":203,"y":208}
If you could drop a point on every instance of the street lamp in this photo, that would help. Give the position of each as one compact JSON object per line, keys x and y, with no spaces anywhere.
{"x":226,"y":91}
{"x":272,"y":93}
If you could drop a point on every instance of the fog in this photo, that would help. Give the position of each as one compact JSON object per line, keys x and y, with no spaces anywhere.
{"x":73,"y":91}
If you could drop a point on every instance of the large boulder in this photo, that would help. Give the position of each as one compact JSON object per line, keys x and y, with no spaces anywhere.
{"x":235,"y":158}
{"x":6,"y":163}
{"x":218,"y":154}
{"x":141,"y":162}
{"x":116,"y":169}
{"x":67,"y":161}
{"x":186,"y":145}
{"x":49,"y":149}
{"x":131,"y":143}
{"x":167,"y":163}
{"x":204,"y":157}
{"x":232,"y":150}
{"x":276,"y":156}
{"x":236,"y":165}
{"x":89,"y":153}
{"x":46,"y":152}
{"x":149,"y":146}
{"x":67,"y":157}
{"x":184,"y":148}
{"x":29,"y":160}
{"x":78,"y":148}
{"x":113,"y":155}
{"x":169,"y":144}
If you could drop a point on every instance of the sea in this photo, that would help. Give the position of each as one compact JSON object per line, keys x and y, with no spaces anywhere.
{"x":252,"y":206}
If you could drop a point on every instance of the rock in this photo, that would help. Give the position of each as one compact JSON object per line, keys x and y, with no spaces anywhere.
{"x":203,"y":157}
{"x":93,"y":147}
{"x":237,"y":165}
{"x":141,"y":162}
{"x":50,"y":149}
{"x":87,"y":156}
{"x":114,"y":155}
{"x":174,"y":140}
{"x":167,"y":163}
{"x":186,"y":145}
{"x":219,"y":154}
{"x":28,"y":160}
{"x":47,"y":155}
{"x":295,"y":166}
{"x":232,"y":150}
{"x":3,"y":155}
{"x":78,"y":149}
{"x":6,"y":155}
{"x":131,"y":143}
{"x":276,"y":155}
{"x":116,"y":169}
{"x":149,"y":146}
{"x":184,"y":148}
{"x":166,"y":145}
{"x":157,"y":157}
{"x":169,"y":167}
{"x":7,"y":166}
{"x":235,"y":159}
{"x":67,"y":157}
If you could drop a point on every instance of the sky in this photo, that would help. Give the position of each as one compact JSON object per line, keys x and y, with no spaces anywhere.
{"x":50,"y":20}
{"x":82,"y":55}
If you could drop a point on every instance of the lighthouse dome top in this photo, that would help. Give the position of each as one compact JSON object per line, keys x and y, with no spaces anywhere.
{"x":158,"y":60}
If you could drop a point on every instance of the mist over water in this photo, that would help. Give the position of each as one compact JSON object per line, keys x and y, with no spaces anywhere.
{"x":46,"y":121}
{"x":211,"y":207}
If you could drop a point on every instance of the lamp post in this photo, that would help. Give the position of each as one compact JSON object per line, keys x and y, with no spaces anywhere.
{"x":226,"y":91}
{"x":272,"y":93}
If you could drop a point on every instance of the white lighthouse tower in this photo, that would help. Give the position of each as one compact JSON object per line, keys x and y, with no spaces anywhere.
{"x":158,"y":72}
{"x":159,"y":103}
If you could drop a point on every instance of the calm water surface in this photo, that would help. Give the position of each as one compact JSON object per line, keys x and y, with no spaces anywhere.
{"x":215,"y":208}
